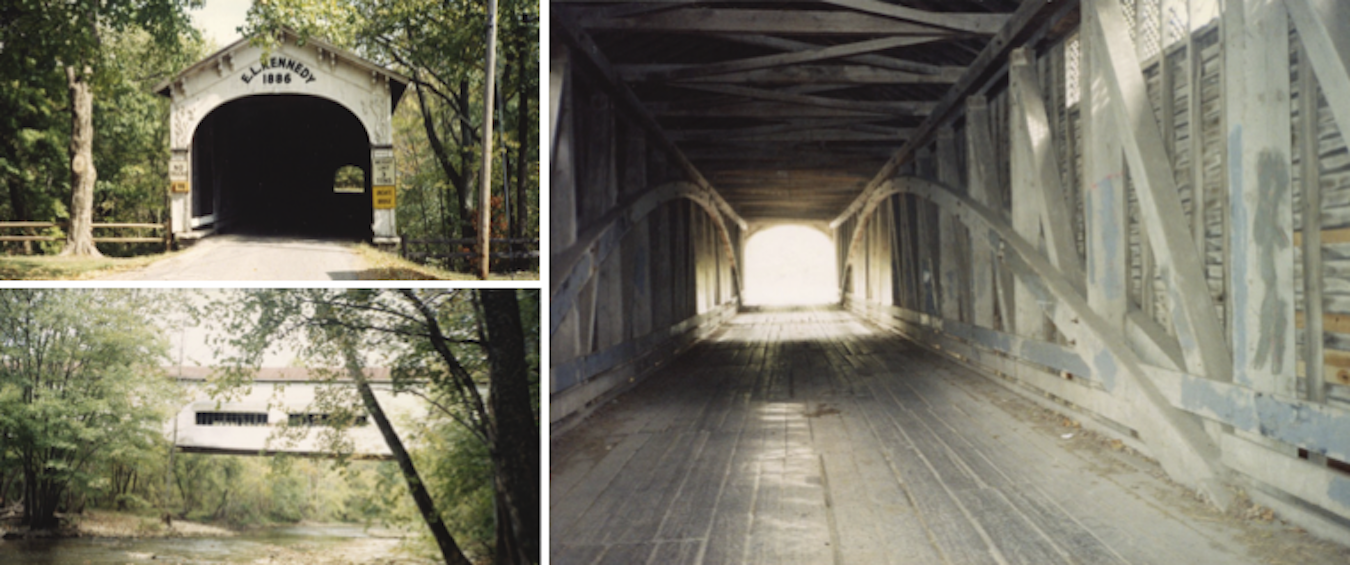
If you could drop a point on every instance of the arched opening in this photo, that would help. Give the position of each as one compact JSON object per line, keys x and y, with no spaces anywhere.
{"x":790,"y":266}
{"x":273,"y":164}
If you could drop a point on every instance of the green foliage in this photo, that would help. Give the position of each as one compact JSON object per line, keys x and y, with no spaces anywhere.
{"x":80,"y":389}
{"x":438,"y":127}
{"x":132,"y":125}
{"x":435,"y":342}
{"x":459,"y":474}
{"x":130,"y":46}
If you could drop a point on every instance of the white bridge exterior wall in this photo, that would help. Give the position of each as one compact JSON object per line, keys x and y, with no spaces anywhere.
{"x":279,"y":400}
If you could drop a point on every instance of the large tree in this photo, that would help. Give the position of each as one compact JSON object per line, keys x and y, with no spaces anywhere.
{"x":70,"y":35}
{"x":447,"y":345}
{"x":126,"y":133}
{"x":80,"y":381}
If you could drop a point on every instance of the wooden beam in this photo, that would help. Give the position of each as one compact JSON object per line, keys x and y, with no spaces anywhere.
{"x":705,"y":21}
{"x":1104,"y":205}
{"x":661,"y":73}
{"x":795,"y":74}
{"x":906,"y":108}
{"x":783,"y":126}
{"x":1194,"y":315}
{"x":1176,"y":438}
{"x":1024,"y":23}
{"x":981,"y":182}
{"x":789,"y":156}
{"x":879,"y":61}
{"x":804,"y":136}
{"x":761,"y":110}
{"x":1314,"y":387}
{"x":571,"y":34}
{"x":949,"y":267}
{"x":1324,"y":28}
{"x":1029,"y":318}
{"x":983,"y":24}
{"x":1034,"y":146}
{"x":1260,"y":198}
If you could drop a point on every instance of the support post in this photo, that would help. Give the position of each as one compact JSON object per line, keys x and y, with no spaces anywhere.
{"x":1104,"y":194}
{"x":1256,"y":70}
{"x":982,"y":182}
{"x":1315,"y":389}
{"x":948,"y":228}
{"x":1193,"y":312}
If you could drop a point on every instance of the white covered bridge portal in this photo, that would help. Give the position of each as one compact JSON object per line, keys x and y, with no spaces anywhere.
{"x":291,"y":139}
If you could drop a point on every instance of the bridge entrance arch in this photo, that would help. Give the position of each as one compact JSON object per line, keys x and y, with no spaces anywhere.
{"x":295,"y":139}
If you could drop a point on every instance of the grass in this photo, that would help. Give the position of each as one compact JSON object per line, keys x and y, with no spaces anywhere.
{"x":388,"y":266}
{"x":380,"y":266}
{"x":50,"y":267}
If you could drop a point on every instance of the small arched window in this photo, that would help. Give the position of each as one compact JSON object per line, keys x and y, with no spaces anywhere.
{"x":350,"y":179}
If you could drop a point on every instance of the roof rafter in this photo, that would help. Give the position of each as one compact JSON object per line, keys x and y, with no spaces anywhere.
{"x":984,"y":24}
{"x":710,"y":21}
{"x":869,"y":59}
{"x":680,"y":72}
{"x":901,"y":108}
{"x":794,"y":74}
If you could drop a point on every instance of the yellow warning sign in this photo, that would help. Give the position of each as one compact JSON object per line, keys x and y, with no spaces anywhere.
{"x":384,"y":197}
{"x":178,"y":186}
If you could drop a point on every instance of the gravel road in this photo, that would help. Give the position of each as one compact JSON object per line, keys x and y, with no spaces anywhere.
{"x":246,"y":257}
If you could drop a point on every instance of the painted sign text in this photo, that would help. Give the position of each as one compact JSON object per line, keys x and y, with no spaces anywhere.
{"x":286,"y":70}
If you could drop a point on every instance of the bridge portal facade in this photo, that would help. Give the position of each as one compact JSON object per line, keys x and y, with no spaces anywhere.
{"x":295,"y":138}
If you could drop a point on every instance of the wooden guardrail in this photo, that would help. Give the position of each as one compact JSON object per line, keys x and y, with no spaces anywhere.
{"x":438,"y":248}
{"x":111,"y":225}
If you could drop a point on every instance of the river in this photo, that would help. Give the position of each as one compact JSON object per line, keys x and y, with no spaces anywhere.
{"x":287,"y":544}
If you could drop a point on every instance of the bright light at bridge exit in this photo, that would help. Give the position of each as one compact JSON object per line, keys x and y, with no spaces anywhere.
{"x":790,"y":266}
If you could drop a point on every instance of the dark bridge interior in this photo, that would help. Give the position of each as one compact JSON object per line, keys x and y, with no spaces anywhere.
{"x":266,"y":165}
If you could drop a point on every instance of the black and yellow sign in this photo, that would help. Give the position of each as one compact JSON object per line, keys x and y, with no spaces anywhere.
{"x":179,"y":186}
{"x":384,"y":197}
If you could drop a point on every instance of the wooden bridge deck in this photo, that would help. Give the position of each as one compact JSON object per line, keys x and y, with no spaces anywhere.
{"x":808,"y":437}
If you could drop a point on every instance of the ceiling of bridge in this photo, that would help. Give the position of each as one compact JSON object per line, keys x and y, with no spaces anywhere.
{"x":789,"y":108}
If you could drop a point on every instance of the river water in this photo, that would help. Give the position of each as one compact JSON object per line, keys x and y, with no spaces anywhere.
{"x":327,"y":543}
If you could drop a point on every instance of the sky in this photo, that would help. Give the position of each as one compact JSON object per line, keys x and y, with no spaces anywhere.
{"x":218,"y":20}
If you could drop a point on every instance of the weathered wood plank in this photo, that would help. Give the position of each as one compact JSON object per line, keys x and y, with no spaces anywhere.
{"x":706,"y":21}
{"x":714,"y":71}
{"x":879,"y":61}
{"x":984,"y":24}
{"x":1260,"y":230}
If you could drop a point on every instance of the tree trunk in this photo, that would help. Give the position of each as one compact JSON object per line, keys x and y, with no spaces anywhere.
{"x":523,"y":134}
{"x":80,"y":238}
{"x":515,"y":449}
{"x":39,"y":501}
{"x":449,"y":549}
{"x":438,"y":149}
{"x":466,"y":229}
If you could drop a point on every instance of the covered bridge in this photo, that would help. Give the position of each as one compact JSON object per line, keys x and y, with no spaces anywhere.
{"x":289,"y":410}
{"x":295,"y":138}
{"x":1133,"y":212}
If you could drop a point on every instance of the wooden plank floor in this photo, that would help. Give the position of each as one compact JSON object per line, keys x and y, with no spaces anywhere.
{"x":809,"y":437}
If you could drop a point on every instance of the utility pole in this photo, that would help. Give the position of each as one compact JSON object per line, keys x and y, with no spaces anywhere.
{"x":485,"y":199}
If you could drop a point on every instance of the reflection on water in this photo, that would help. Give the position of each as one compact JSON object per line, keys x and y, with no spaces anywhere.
{"x":350,"y":541}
